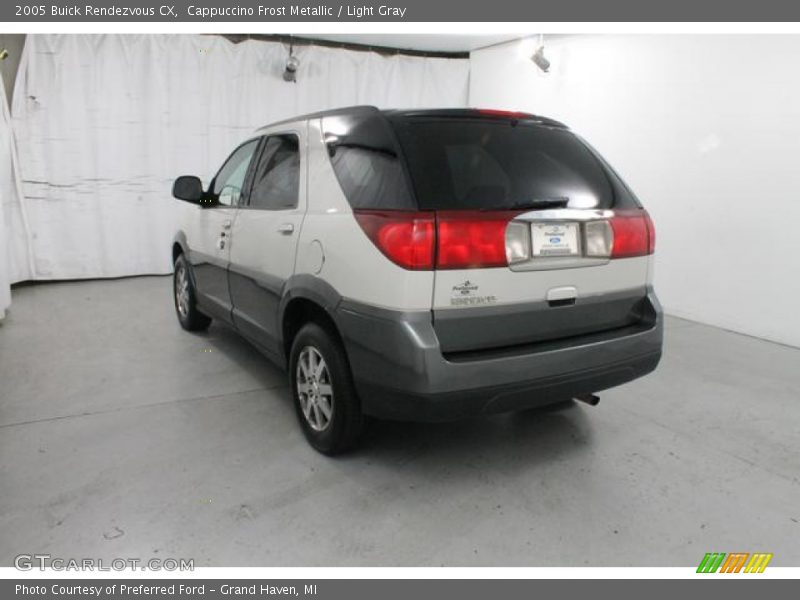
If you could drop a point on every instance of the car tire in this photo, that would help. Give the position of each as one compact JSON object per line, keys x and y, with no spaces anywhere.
{"x":185,"y":297}
{"x":323,"y":392}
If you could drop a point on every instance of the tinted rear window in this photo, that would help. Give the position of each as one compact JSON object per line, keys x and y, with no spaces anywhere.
{"x":492,"y":164}
{"x":366,"y":160}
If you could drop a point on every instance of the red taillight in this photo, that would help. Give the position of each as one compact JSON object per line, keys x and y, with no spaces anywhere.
{"x":472,"y":239}
{"x":406,"y":238}
{"x":634,"y":234}
{"x":458,"y":239}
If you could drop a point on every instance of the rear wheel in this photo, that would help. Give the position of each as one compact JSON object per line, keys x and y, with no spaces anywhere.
{"x":185,"y":297}
{"x":322,"y":387}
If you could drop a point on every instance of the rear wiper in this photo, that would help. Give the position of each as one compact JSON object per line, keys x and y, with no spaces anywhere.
{"x":540,"y":203}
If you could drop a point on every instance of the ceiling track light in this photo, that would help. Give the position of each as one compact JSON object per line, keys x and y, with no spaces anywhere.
{"x":539,"y":58}
{"x":292,"y":64}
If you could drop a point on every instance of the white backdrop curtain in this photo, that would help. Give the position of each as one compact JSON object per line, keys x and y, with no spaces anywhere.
{"x":105,"y":122}
{"x":14,"y":256}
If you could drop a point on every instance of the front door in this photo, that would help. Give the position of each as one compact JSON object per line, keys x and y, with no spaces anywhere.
{"x":210,"y":241}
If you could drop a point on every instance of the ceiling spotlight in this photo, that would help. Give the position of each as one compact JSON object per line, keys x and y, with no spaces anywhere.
{"x":539,"y":59}
{"x":292,"y":64}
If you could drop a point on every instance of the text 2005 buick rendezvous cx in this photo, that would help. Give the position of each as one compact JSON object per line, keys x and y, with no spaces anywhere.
{"x":422,"y":264}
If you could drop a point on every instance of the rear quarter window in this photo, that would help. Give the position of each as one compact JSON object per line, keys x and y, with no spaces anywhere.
{"x":366,"y":159}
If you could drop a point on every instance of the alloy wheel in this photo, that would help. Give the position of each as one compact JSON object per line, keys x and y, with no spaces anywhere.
{"x":314,"y":388}
{"x":182,"y":291}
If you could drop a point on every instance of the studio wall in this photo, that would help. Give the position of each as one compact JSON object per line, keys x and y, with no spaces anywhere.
{"x":15,"y":263}
{"x":104,"y":123}
{"x":706,"y":129}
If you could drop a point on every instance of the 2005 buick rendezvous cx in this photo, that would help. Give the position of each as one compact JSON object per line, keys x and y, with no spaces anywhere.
{"x":422,"y":264}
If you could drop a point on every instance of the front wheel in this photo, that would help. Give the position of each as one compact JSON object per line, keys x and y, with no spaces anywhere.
{"x":325,"y":398}
{"x":185,"y":297}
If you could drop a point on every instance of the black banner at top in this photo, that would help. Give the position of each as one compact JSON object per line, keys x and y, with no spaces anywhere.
{"x":265,"y":11}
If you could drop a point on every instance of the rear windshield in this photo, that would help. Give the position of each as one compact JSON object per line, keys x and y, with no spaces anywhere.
{"x":499,"y":164}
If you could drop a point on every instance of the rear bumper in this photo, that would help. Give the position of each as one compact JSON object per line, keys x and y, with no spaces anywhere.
{"x":401,"y":373}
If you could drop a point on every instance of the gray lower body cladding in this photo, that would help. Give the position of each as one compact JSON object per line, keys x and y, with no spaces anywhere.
{"x":401,"y":373}
{"x":464,"y":329}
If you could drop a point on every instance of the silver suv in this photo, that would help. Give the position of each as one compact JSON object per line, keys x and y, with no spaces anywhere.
{"x":422,"y":264}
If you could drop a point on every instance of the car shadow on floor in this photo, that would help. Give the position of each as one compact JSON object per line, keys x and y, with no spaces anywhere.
{"x":227,"y":341}
{"x":542,"y":433}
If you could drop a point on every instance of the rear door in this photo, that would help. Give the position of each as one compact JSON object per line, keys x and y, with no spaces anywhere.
{"x":265,"y":237}
{"x":526,"y":220}
{"x":210,"y":239}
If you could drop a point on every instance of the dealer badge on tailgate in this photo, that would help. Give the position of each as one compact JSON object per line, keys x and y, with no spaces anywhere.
{"x":466,"y":294}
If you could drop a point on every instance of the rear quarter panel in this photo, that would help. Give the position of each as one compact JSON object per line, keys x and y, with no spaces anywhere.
{"x":333,"y":247}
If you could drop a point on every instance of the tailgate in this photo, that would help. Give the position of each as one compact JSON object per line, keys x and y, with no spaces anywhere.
{"x":569,"y":273}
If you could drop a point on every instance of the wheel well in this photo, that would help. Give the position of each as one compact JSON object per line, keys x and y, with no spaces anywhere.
{"x":176,"y":251}
{"x":299,"y":312}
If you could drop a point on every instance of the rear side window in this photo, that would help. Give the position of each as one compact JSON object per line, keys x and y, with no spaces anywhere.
{"x":366,"y":160}
{"x":494,"y":164}
{"x":276,"y":181}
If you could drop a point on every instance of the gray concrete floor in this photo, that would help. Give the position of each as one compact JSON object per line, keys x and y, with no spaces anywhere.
{"x":123,"y":436}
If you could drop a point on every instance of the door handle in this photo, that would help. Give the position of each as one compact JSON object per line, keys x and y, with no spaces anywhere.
{"x":286,"y":228}
{"x":226,"y":224}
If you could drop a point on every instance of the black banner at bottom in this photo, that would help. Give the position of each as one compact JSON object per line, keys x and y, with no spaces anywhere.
{"x":732,"y":586}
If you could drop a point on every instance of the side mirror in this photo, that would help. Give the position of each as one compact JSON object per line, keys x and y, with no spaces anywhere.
{"x":188,"y":188}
